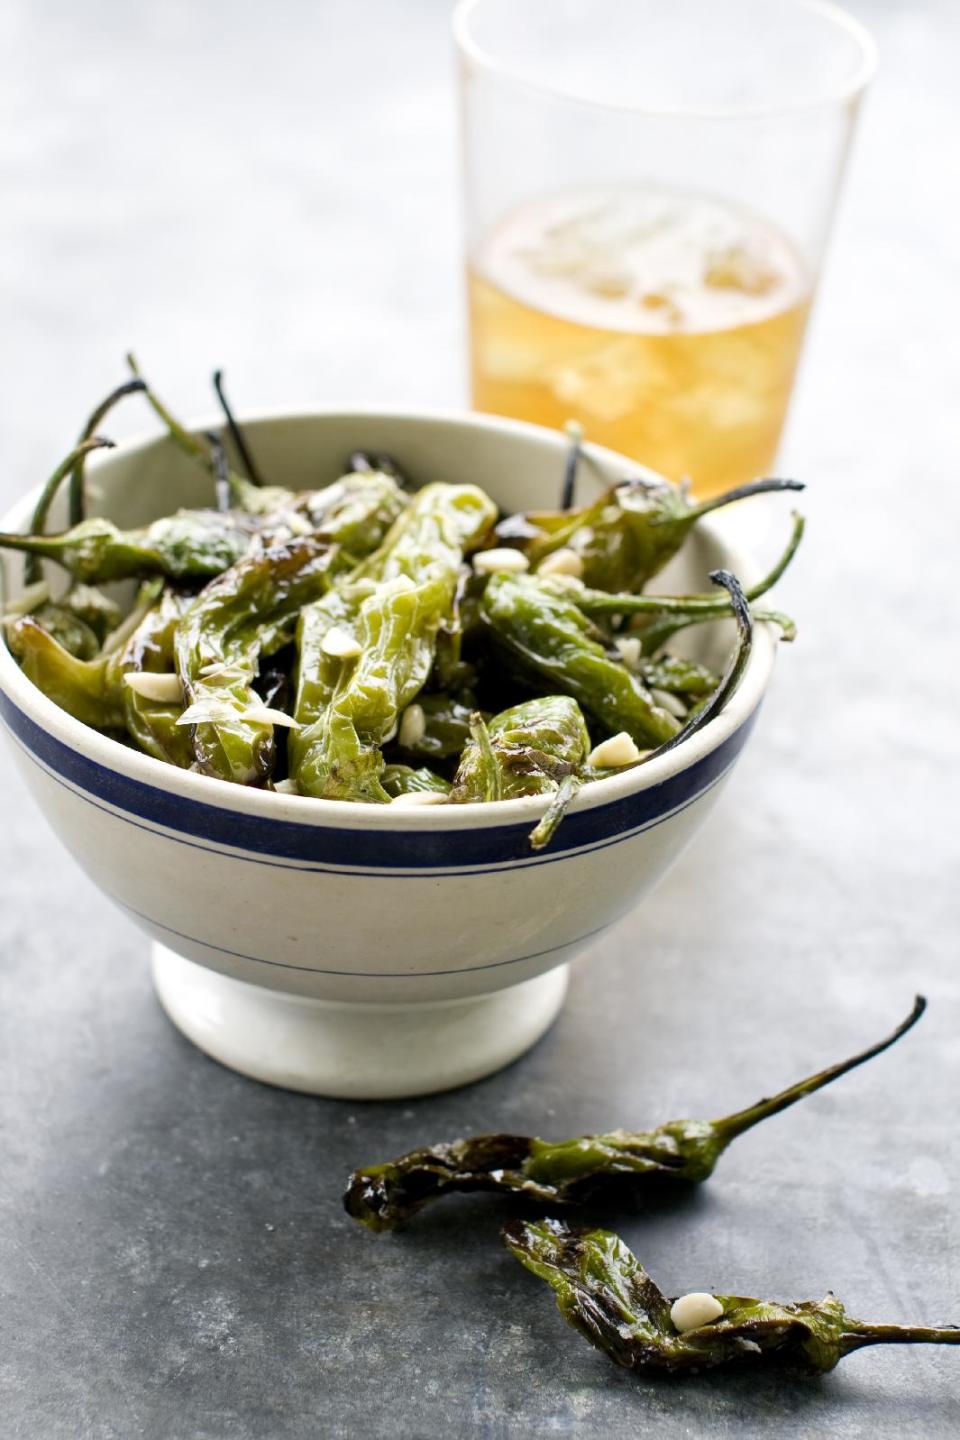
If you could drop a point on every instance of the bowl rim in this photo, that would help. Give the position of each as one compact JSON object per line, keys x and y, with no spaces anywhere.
{"x":113,"y":756}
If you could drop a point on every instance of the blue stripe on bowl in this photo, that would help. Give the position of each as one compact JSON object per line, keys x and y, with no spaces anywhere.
{"x":377,"y":849}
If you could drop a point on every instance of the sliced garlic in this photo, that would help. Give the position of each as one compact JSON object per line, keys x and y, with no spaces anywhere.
{"x":413,"y":726}
{"x":489,"y":562}
{"x":691,"y":1311}
{"x":297,"y":524}
{"x":340,"y":644}
{"x":618,"y":750}
{"x":209,"y":712}
{"x":420,"y":797}
{"x":150,"y":685}
{"x":222,"y":670}
{"x":266,"y":715}
{"x":561,"y":562}
{"x":630,"y":649}
{"x":286,"y":787}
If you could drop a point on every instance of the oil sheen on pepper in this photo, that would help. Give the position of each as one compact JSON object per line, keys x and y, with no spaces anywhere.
{"x":668,"y":324}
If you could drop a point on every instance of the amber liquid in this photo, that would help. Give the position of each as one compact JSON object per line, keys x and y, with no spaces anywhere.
{"x":669,"y":325}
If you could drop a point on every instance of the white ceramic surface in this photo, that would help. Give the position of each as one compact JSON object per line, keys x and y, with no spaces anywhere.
{"x":369,"y":906}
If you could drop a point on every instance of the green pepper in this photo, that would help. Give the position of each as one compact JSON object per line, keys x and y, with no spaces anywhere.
{"x":88,"y":690}
{"x":69,"y":630}
{"x":405,"y":780}
{"x":446,"y":726}
{"x":532,"y":746}
{"x":218,"y":645}
{"x":274,"y":503}
{"x":603,"y":1291}
{"x":629,"y":534}
{"x":191,"y":545}
{"x":384,"y":1197}
{"x":391,"y":607}
{"x":664,"y":614}
{"x":92,"y":691}
{"x":38,"y":523}
{"x":549,"y":636}
{"x":154,"y":724}
{"x":678,"y":676}
{"x":80,"y":620}
{"x":538,"y":747}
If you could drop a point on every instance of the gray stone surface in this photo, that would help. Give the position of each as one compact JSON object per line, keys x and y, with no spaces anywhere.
{"x":273,"y":188}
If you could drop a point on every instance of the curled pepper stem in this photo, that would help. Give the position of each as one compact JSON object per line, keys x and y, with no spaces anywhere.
{"x":733,"y":1125}
{"x":33,"y":544}
{"x":236,"y":434}
{"x":743,"y":492}
{"x":732,"y":675}
{"x":76,"y":492}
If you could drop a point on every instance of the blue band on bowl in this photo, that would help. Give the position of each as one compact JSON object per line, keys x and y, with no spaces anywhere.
{"x":376,"y":849}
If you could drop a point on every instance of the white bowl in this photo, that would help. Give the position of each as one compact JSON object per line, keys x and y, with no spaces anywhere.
{"x":368,"y":951}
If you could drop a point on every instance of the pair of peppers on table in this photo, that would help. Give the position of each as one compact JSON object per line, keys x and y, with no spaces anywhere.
{"x":371,"y":643}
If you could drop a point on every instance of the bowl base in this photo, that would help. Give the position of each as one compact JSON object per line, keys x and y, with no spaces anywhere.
{"x":354,"y":1051}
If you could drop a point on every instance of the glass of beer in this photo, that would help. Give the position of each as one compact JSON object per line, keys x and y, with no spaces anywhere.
{"x":649,"y":189}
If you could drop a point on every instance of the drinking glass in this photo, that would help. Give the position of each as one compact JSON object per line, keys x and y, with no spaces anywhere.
{"x":649,"y":188}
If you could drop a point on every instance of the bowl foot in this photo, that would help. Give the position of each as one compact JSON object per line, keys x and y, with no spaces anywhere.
{"x":353,"y":1051}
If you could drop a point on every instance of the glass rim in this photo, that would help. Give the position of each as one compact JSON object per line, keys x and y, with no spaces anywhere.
{"x":842,"y":19}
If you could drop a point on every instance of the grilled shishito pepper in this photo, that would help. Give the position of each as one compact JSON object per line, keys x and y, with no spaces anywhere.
{"x":191,"y":545}
{"x":629,"y":534}
{"x":603,"y":1291}
{"x":89,"y":690}
{"x":405,"y":780}
{"x":95,"y":691}
{"x":550,"y":636}
{"x":532,"y":747}
{"x":390,"y":608}
{"x":154,"y":724}
{"x":384,"y":1197}
{"x":218,"y":645}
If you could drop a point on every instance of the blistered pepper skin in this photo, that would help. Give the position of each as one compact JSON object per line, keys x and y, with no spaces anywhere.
{"x":393,"y":605}
{"x":552,"y":638}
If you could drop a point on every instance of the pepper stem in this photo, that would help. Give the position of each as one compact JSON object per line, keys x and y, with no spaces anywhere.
{"x":742,"y":492}
{"x":699,"y":607}
{"x":33,"y":544}
{"x":733,"y":1125}
{"x":244,"y":491}
{"x":221,"y":471}
{"x":858,"y":1333}
{"x":236,"y":434}
{"x":545,"y":830}
{"x":492,"y":787}
{"x":735,"y":666}
{"x":77,"y":496}
{"x":575,"y":435}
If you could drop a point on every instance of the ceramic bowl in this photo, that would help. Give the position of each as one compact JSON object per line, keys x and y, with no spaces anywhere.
{"x":368,"y":951}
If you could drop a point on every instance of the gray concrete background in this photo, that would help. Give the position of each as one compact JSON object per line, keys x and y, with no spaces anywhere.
{"x":273,"y":189}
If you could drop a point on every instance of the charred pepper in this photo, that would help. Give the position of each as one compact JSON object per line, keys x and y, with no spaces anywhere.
{"x":384,"y":1197}
{"x":603,"y":1291}
{"x":627,"y":536}
{"x":366,"y":651}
